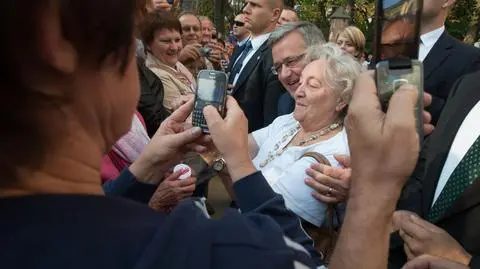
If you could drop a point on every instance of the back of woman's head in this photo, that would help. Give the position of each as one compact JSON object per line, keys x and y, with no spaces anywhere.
{"x":340,"y":71}
{"x":97,"y":33}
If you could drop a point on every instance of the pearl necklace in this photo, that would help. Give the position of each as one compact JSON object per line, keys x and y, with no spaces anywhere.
{"x":277,"y":151}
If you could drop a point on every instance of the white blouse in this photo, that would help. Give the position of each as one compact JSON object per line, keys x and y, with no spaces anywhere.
{"x":286,"y":173}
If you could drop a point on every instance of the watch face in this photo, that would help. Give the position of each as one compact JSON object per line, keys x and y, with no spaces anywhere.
{"x":218,"y":166}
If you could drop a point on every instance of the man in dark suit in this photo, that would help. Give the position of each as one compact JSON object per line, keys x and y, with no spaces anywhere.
{"x":254,"y":86}
{"x":242,"y":35}
{"x":444,"y":189}
{"x":445,"y":59}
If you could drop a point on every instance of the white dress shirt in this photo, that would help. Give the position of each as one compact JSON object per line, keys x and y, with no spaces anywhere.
{"x":468,"y":132}
{"x":286,"y":172}
{"x":241,"y":43}
{"x":427,"y":41}
{"x":257,"y":42}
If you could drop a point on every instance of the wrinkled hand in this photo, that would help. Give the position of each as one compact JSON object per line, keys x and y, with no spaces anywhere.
{"x":230,"y":136}
{"x":330,"y":184}
{"x":215,"y":54}
{"x":422,"y":237}
{"x":171,"y":141}
{"x":432,"y":262}
{"x":384,"y":146}
{"x":172,"y":191}
{"x":190,"y":52}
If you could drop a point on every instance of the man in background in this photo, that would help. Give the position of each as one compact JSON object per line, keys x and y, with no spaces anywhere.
{"x":445,"y":59}
{"x":253,"y":84}
{"x":289,"y":15}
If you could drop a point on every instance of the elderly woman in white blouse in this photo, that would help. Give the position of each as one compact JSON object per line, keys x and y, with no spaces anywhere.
{"x":316,"y":125}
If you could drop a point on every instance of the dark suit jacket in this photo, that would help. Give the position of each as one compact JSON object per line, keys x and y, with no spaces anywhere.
{"x":257,"y":89}
{"x":286,"y":104}
{"x":461,"y":221}
{"x":447,"y":61}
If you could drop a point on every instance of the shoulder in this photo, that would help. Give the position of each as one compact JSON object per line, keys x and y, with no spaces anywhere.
{"x":283,"y":122}
{"x":462,"y":49}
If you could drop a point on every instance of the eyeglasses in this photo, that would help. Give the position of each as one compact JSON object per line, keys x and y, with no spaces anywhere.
{"x":239,"y":23}
{"x":289,"y":62}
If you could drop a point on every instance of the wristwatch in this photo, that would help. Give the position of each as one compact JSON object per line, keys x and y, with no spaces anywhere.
{"x":219,"y":164}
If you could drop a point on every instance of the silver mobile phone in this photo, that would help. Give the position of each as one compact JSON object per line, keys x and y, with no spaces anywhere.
{"x":396,"y":51}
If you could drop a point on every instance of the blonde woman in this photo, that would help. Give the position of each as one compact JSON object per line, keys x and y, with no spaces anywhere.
{"x":352,"y":41}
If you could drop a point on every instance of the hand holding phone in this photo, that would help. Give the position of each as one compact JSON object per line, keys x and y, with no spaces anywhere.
{"x":396,"y":51}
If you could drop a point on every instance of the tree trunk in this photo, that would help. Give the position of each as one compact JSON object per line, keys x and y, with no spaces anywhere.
{"x":350,"y":9}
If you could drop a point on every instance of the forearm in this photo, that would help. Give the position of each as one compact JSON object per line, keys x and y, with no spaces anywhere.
{"x":368,"y":221}
{"x":126,"y":185}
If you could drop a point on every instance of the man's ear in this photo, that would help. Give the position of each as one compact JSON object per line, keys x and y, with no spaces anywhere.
{"x":276,"y":14}
{"x":55,"y":50}
{"x":448,"y":3}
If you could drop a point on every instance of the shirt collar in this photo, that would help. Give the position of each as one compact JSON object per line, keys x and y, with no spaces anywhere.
{"x":241,"y":43}
{"x":429,"y":39}
{"x":259,"y":40}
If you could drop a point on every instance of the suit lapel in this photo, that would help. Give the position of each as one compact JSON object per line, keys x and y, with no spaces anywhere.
{"x":236,"y":52}
{"x":252,"y":63}
{"x":442,"y":140}
{"x":440,"y":51}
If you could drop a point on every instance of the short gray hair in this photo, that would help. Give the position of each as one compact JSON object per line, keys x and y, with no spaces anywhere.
{"x":312,"y":35}
{"x":341,"y":69}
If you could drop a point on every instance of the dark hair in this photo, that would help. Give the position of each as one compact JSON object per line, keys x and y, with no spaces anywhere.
{"x":221,"y":41}
{"x":97,"y":29}
{"x":154,"y":22}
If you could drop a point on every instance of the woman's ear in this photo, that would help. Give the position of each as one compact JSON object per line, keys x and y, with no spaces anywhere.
{"x":340,"y":106}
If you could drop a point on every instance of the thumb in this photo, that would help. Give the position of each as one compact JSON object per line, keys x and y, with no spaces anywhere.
{"x":344,"y":160}
{"x":174,"y":176}
{"x":212,"y":117}
{"x":185,"y":137}
{"x":401,"y":107}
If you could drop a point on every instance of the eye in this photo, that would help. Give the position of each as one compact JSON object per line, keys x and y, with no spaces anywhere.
{"x":313,"y":83}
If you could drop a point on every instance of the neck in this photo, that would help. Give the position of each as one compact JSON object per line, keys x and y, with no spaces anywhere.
{"x":242,"y":38}
{"x":430,"y":25}
{"x":318,"y":125}
{"x":72,"y":169}
{"x":267,"y":30}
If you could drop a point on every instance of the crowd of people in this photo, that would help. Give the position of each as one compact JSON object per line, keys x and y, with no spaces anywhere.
{"x":97,"y":117}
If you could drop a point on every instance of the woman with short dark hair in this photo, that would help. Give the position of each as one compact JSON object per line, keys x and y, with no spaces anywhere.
{"x":162,"y":35}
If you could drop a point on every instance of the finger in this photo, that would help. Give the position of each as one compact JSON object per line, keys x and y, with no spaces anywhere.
{"x":337,"y":185}
{"x":408,"y":252}
{"x":344,"y":160}
{"x":187,"y":182}
{"x":411,"y":242}
{"x":332,"y":174}
{"x":325,"y":199}
{"x":174,"y":175}
{"x":188,"y":190}
{"x":401,"y":108}
{"x":427,"y":99}
{"x":364,"y":100}
{"x":182,"y":113}
{"x":233,"y":109}
{"x":414,"y":230}
{"x":212,"y":117}
{"x":423,"y":223}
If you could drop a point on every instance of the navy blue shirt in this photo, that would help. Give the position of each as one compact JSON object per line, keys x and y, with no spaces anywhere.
{"x":86,"y":231}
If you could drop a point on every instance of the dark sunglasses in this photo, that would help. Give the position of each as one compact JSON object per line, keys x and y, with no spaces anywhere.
{"x":239,"y":23}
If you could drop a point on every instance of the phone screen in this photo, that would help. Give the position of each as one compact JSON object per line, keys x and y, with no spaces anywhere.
{"x":398,"y":28}
{"x":211,"y":91}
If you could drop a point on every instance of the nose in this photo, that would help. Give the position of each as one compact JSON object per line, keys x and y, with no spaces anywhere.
{"x":300,"y":92}
{"x":246,"y":9}
{"x":285,"y":72}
